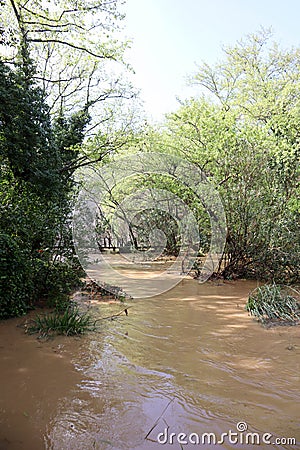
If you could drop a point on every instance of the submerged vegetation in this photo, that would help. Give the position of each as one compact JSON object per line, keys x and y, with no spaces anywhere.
{"x":275,"y":305}
{"x":69,"y":322}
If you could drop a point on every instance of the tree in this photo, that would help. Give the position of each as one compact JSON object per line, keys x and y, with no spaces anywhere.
{"x":245,"y":136}
{"x":60,"y":109}
{"x":72,"y":44}
{"x":78,"y":64}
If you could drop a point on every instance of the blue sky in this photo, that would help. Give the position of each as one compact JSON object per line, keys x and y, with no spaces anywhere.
{"x":171,"y":36}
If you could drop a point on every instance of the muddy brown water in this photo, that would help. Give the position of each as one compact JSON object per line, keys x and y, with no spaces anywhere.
{"x":190,"y":360}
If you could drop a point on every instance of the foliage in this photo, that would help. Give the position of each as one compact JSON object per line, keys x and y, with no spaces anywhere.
{"x":77,"y":53}
{"x":25,"y":129}
{"x":156,"y":224}
{"x":16,"y":284}
{"x":70,"y":322}
{"x":75,"y":46}
{"x":35,"y":196}
{"x":61,"y":94}
{"x":274,"y":303}
{"x":245,"y":136}
{"x":60,"y":279}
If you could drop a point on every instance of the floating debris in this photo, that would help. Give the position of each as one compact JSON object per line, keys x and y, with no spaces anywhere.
{"x":98,"y":289}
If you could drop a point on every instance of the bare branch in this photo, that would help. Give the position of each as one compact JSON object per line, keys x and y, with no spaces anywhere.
{"x":56,"y":27}
{"x":76,"y":47}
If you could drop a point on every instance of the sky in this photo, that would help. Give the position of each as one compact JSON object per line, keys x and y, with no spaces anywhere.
{"x":170,"y":37}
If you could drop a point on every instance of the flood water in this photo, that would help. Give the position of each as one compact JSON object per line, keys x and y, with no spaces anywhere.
{"x":190,"y":360}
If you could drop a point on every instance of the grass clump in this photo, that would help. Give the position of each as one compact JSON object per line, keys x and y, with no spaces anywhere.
{"x":274,"y":304}
{"x":69,"y":322}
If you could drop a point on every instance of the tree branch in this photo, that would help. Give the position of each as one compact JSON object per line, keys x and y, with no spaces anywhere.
{"x":76,"y":47}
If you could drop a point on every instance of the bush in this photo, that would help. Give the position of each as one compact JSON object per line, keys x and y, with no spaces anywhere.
{"x":274,"y":304}
{"x":16,"y":285}
{"x":36,"y":194}
{"x":24,"y":280}
{"x":59,"y":280}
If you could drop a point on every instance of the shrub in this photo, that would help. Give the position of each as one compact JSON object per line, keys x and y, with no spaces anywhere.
{"x":59,"y":280}
{"x":15,"y":279}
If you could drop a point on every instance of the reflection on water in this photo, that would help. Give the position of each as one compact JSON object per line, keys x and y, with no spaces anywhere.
{"x":192,"y":352}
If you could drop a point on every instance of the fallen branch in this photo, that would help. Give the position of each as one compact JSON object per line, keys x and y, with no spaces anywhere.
{"x":125,"y":310}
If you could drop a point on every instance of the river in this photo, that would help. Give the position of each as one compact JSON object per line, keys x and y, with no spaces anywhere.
{"x":187,"y":361}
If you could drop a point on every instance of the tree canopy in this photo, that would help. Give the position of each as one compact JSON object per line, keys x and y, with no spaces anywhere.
{"x":60,"y":109}
{"x":243,"y":133}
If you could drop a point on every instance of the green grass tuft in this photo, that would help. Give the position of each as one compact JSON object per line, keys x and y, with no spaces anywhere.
{"x":275,"y":304}
{"x":70,"y":322}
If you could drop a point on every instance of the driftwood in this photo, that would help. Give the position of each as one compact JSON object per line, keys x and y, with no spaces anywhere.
{"x":105,"y":290}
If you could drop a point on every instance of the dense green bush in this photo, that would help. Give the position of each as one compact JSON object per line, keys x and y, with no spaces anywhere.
{"x":36,"y":251}
{"x":16,"y":284}
{"x":61,"y":278}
